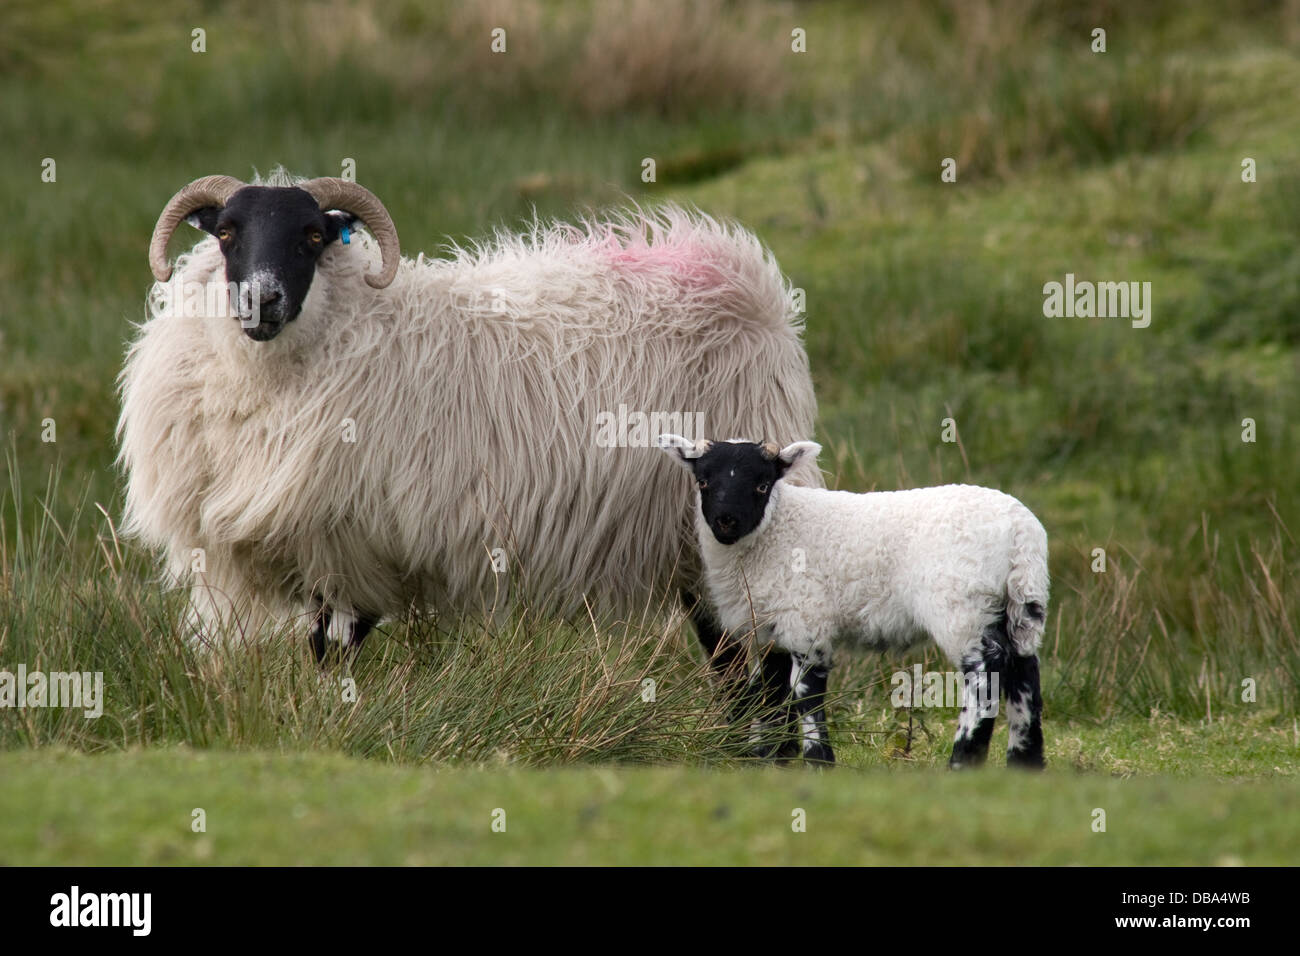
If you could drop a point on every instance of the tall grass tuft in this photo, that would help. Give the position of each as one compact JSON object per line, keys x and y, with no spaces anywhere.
{"x":428,"y":687}
{"x":532,"y":691}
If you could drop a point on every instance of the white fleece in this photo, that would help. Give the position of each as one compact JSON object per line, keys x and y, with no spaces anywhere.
{"x":881,"y":570}
{"x":389,"y":445}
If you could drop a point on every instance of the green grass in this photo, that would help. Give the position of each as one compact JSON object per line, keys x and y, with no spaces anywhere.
{"x":262,"y":808}
{"x":924,"y":302}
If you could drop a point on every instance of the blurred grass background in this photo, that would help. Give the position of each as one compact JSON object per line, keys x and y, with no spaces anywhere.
{"x":320,"y":809}
{"x":924,"y":301}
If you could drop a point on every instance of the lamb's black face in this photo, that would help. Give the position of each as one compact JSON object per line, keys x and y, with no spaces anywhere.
{"x":735,"y":481}
{"x":272,"y":238}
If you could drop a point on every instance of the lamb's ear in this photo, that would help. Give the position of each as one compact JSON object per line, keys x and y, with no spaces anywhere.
{"x":682,"y":450}
{"x":205,"y":218}
{"x":794,"y":453}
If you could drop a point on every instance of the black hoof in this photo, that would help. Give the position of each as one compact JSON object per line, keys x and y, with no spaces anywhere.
{"x":1026,"y":760}
{"x":819,"y":755}
{"x":966,"y":761}
{"x":780,"y":751}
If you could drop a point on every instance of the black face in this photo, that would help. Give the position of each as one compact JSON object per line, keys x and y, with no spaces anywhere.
{"x":735,"y":481}
{"x":271,"y":237}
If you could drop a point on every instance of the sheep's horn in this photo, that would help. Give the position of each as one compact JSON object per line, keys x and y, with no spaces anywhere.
{"x":342,"y":194}
{"x":207,"y":191}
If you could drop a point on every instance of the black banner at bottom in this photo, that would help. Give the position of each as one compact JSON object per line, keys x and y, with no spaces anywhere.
{"x":226,"y":905}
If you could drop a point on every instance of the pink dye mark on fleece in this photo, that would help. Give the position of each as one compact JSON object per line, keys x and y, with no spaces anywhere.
{"x":688,"y":261}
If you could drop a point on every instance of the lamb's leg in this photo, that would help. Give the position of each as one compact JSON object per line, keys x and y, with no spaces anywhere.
{"x":1024,"y":713}
{"x":983,"y":667}
{"x":768,"y":696}
{"x":338,"y":629}
{"x":726,"y":654}
{"x":762,"y":698}
{"x":808,"y":691}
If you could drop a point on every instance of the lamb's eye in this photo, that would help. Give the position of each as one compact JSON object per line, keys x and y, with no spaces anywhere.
{"x":315,"y":237}
{"x":762,"y":489}
{"x":702,"y":484}
{"x":224,"y":233}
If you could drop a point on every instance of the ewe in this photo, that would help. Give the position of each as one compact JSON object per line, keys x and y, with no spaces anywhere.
{"x":807,"y":570}
{"x":348,"y":449}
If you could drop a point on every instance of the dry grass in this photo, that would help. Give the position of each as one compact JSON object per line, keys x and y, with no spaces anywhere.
{"x":669,"y":57}
{"x":672,"y":56}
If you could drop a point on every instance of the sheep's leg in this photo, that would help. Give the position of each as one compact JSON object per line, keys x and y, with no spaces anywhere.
{"x":763,"y":698}
{"x":1024,"y":713}
{"x":768,"y":695}
{"x":983,"y":667}
{"x":338,"y":629}
{"x":808,"y":692}
{"x":726,"y":654}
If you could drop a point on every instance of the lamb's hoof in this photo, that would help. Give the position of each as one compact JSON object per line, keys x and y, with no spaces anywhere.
{"x":779,"y":751}
{"x":965,"y":762}
{"x":819,"y":755}
{"x":1026,"y":760}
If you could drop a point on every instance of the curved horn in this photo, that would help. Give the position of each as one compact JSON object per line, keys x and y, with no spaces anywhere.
{"x":207,"y":191}
{"x":341,"y":194}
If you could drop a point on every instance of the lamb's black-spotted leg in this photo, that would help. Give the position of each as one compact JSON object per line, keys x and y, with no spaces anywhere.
{"x":763,"y":698}
{"x":1024,"y":713}
{"x":773,"y":736}
{"x":984,"y":670}
{"x":339,"y":630}
{"x":726,"y":654}
{"x":808,"y":680}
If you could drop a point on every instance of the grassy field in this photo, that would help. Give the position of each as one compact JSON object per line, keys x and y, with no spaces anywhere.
{"x":260,"y":808}
{"x":1171,"y":678}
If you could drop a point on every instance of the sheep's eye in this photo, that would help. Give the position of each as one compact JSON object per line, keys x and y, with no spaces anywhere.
{"x":224,"y":233}
{"x":315,"y":237}
{"x":762,"y":489}
{"x":702,"y":484}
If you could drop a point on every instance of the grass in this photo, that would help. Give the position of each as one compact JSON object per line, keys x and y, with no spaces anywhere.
{"x":314,"y":808}
{"x":924,"y":302}
{"x":529,"y":691}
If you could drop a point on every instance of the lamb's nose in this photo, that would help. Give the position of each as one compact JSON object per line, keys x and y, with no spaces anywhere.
{"x":270,"y":297}
{"x":726,"y":524}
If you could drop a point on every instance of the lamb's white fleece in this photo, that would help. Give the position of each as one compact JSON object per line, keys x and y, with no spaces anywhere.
{"x":880,"y":570}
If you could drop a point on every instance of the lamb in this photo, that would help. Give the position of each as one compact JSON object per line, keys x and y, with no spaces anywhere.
{"x":306,"y":443}
{"x":807,"y":570}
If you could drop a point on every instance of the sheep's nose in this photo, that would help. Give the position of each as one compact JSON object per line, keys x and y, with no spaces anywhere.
{"x":270,"y":297}
{"x":726,"y":524}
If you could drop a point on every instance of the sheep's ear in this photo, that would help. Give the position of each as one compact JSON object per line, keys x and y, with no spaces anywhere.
{"x":682,"y":450}
{"x":792,"y":454}
{"x":205,"y":218}
{"x":335,"y":222}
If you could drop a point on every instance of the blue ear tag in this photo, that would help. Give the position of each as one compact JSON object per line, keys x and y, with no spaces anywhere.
{"x":347,"y":236}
